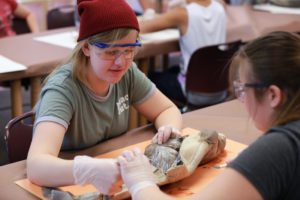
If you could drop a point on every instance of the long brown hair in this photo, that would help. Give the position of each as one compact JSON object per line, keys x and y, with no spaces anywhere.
{"x":274,"y":60}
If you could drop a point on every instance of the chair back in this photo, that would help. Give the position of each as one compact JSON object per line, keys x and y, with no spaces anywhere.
{"x":18,"y":136}
{"x":60,"y":17}
{"x":20,"y":26}
{"x":207,"y":70}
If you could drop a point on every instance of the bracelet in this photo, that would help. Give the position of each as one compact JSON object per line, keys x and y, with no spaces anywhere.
{"x":138,"y":186}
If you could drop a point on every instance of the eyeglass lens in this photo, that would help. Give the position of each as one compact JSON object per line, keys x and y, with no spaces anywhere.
{"x":114,"y":54}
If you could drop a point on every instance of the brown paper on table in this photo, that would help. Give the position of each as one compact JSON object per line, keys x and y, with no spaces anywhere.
{"x":181,"y":189}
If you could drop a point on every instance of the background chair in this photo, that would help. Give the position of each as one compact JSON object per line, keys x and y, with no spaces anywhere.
{"x":20,"y":26}
{"x":208,"y":72}
{"x":18,"y":136}
{"x":61,"y":17}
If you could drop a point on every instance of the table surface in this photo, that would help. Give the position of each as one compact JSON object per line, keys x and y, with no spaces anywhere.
{"x":229,"y":118}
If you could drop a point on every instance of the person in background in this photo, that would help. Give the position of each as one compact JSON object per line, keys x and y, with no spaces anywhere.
{"x":10,"y":9}
{"x":201,"y":23}
{"x":176,"y":3}
{"x":251,"y":2}
{"x":265,"y":77}
{"x":142,"y":8}
{"x":76,"y":17}
{"x":86,"y":100}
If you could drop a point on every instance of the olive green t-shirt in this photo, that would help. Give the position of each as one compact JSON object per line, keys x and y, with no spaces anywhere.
{"x":88,"y":118}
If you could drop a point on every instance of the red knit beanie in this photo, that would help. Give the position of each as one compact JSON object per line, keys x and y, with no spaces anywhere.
{"x":97,"y":16}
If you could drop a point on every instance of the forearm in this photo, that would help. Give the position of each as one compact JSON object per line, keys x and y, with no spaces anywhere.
{"x":159,"y":22}
{"x":152,"y":192}
{"x":32,"y":23}
{"x":170,"y":116}
{"x":47,"y":170}
{"x":148,"y":26}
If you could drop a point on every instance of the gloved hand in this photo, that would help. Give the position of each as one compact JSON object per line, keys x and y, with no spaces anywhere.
{"x":148,"y":14}
{"x":136,"y":171}
{"x":104,"y":174}
{"x":164,"y":133}
{"x":176,"y":3}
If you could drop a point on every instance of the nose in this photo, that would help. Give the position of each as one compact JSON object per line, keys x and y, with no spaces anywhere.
{"x":120,"y":59}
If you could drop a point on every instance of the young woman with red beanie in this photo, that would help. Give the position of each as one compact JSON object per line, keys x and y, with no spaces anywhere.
{"x":87,"y":100}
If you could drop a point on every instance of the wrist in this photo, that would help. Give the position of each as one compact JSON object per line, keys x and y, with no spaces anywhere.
{"x":136,"y":188}
{"x":149,"y":14}
{"x":81,"y":169}
{"x":150,"y":10}
{"x":173,"y":128}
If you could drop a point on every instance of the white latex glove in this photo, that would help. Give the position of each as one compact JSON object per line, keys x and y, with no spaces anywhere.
{"x":148,"y":14}
{"x":176,"y":3}
{"x":104,"y":174}
{"x":164,"y":133}
{"x":136,"y":171}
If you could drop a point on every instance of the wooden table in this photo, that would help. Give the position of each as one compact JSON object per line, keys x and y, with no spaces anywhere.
{"x":246,"y":23}
{"x":41,"y":58}
{"x":229,"y":118}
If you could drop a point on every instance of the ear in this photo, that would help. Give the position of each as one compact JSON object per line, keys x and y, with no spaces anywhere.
{"x":86,"y":49}
{"x":275,"y":96}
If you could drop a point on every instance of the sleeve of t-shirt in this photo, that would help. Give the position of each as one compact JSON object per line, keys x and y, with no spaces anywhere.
{"x":54,"y":106}
{"x":268,"y":164}
{"x":141,"y":86}
{"x":13,"y":4}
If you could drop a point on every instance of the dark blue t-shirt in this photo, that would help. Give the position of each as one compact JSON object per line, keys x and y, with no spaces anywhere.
{"x":272,"y":163}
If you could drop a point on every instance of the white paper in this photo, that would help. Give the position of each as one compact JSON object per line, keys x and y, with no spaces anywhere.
{"x":7,"y":65}
{"x":66,"y":39}
{"x":167,"y":34}
{"x":277,"y":9}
